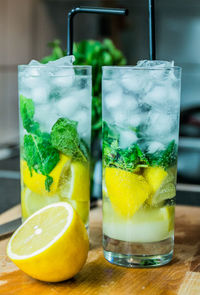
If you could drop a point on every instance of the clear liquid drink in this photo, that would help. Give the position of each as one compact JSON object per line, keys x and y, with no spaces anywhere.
{"x":55,"y":131}
{"x":141,"y":107}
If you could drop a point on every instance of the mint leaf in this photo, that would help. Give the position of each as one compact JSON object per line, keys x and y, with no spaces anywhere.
{"x":39,"y":153}
{"x":127,"y":159}
{"x":65,"y":138}
{"x":166,"y":158}
{"x":27,"y":111}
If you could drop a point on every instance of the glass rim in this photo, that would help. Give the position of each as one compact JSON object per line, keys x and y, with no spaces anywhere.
{"x":140,"y":68}
{"x":81,"y":67}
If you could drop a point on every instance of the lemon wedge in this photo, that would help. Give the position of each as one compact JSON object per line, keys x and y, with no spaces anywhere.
{"x":127,"y":191}
{"x":51,"y":245}
{"x":32,"y":202}
{"x":161,"y":183}
{"x":155,"y":177}
{"x":75,"y":182}
{"x":36,"y":182}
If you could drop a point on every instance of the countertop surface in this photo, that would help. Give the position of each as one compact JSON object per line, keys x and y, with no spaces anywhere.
{"x":181,"y":276}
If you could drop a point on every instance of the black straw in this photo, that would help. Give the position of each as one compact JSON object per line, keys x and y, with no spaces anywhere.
{"x":152,"y":40}
{"x":85,"y":9}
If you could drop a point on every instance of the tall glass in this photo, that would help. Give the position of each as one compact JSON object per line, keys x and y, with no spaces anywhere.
{"x":141,"y":107}
{"x":55,"y":131}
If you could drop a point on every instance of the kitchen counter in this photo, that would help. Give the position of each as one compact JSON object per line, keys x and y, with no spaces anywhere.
{"x":181,"y":276}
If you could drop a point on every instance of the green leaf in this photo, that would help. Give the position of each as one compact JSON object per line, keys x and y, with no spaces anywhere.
{"x":166,"y":158}
{"x":38,"y":150}
{"x":127,"y":159}
{"x":27,"y":111}
{"x":39,"y":153}
{"x":65,"y":138}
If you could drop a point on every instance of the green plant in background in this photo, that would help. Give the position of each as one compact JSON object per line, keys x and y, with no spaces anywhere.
{"x":96,"y":54}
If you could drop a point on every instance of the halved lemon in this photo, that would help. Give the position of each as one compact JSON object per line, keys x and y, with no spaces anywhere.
{"x":75,"y":182}
{"x":51,"y":245}
{"x":127,"y":191}
{"x":36,"y":182}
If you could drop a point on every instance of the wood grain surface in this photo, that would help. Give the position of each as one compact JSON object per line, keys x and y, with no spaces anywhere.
{"x":181,"y":276}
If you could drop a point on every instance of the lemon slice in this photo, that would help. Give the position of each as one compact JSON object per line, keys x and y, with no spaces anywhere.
{"x":32,"y":202}
{"x":51,"y":245}
{"x":36,"y":182}
{"x":127,"y":191}
{"x":75,"y":182}
{"x":161,"y":183}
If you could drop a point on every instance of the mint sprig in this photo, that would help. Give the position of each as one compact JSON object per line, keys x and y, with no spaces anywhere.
{"x":39,"y":153}
{"x":134,"y":157}
{"x":65,"y":138}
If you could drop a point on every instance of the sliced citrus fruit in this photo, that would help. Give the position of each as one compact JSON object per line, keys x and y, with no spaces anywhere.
{"x":32,"y":202}
{"x":161,"y":183}
{"x":127,"y":191}
{"x":51,"y":245}
{"x":36,"y":181}
{"x":75,"y":182}
{"x":155,"y":177}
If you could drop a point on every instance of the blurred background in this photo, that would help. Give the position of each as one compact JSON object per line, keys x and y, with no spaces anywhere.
{"x":27,"y":26}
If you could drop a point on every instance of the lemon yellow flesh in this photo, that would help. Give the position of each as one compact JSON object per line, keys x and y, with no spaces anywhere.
{"x":127,"y":191}
{"x":36,"y":181}
{"x":155,"y":177}
{"x":32,"y":202}
{"x":161,"y":183}
{"x":51,"y":245}
{"x":39,"y":227}
{"x":75,"y":182}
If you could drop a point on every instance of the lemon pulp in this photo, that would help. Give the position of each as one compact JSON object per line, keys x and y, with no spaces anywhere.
{"x":51,"y":245}
{"x":127,"y":191}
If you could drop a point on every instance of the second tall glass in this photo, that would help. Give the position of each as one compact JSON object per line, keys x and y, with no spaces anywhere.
{"x":141,"y":108}
{"x":55,"y":131}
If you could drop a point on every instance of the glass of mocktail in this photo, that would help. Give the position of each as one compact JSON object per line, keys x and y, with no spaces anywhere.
{"x":55,"y":131}
{"x":141,"y":107}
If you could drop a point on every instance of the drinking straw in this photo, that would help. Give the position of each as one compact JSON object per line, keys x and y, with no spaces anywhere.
{"x":152,"y":40}
{"x":86,"y":9}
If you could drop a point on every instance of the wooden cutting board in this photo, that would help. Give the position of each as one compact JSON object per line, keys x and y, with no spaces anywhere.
{"x":181,"y":276}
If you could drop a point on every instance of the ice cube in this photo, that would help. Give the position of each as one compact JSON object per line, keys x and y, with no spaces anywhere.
{"x":63,"y":61}
{"x":136,"y":119}
{"x":114,"y":99}
{"x":110,"y":86}
{"x":84,"y":123}
{"x":130,"y":103}
{"x":35,"y":63}
{"x":63,"y":78}
{"x":155,"y":146}
{"x":119,"y":117}
{"x":155,"y":64}
{"x":67,"y":106}
{"x":160,"y":124}
{"x":127,"y":138}
{"x":40,"y":93}
{"x":46,"y":115}
{"x":157,"y":96}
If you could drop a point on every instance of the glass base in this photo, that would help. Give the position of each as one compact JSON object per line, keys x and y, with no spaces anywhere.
{"x":131,"y":254}
{"x":128,"y":260}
